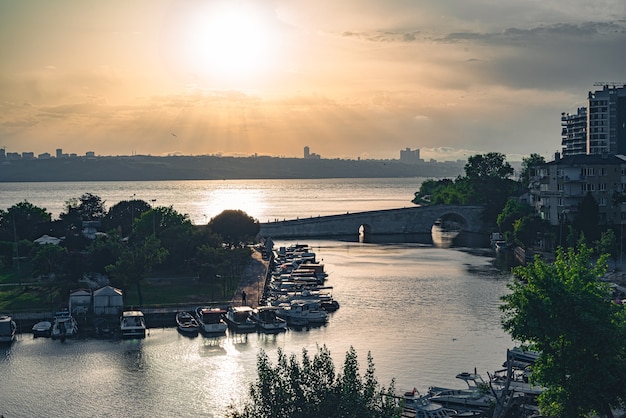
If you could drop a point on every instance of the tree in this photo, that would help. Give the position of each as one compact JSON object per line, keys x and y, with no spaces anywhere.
{"x":312,"y":389}
{"x":235,"y":227}
{"x":23,"y":221}
{"x":513,"y":210}
{"x":48,"y":259}
{"x":122,"y":215}
{"x":528,"y":163}
{"x":491,"y":165}
{"x":529,"y":228}
{"x":588,"y":217}
{"x":563,"y":311}
{"x":607,"y":244}
{"x":136,"y":262}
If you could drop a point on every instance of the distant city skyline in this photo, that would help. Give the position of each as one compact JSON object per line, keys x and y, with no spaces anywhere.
{"x":354,"y":79}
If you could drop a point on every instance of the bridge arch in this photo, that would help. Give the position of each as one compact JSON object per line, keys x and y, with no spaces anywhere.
{"x":412,"y":220}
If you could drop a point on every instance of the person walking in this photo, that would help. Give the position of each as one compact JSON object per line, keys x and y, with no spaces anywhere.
{"x":243,"y":297}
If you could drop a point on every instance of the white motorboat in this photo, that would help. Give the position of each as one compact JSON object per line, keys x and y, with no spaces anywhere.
{"x":8,"y":328}
{"x":475,"y":398}
{"x":132,"y":324}
{"x":210,"y":320}
{"x":64,"y":326}
{"x":238,"y":319}
{"x":187,"y":324}
{"x":42,"y":329}
{"x":267,"y":321}
{"x":303,"y":312}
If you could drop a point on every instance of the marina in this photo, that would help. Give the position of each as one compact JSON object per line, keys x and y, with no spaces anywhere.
{"x":425,"y":313}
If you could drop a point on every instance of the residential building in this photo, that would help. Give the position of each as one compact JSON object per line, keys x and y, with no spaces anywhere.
{"x":606,"y":120}
{"x":559,"y":186}
{"x":600,"y":127}
{"x":574,"y":132}
{"x":410,"y":156}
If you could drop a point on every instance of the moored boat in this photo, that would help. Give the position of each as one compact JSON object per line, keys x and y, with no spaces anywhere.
{"x":8,"y":328}
{"x":475,"y":398}
{"x":267,"y":321}
{"x":187,"y":324}
{"x":303,"y":312}
{"x":64,"y":326}
{"x":42,"y":329}
{"x":132,"y":324}
{"x":238,"y":319}
{"x":210,"y":320}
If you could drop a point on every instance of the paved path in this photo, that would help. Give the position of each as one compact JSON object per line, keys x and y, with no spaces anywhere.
{"x":252,"y":281}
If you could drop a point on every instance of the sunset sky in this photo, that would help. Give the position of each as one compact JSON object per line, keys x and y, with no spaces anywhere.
{"x":348,"y":78}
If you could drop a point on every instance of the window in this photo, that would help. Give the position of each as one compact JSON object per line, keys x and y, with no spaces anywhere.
{"x":602,"y":201}
{"x":559,"y":187}
{"x":602,"y":187}
{"x":588,"y":171}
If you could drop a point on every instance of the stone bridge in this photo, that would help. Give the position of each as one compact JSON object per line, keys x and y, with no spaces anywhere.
{"x":413,"y":220}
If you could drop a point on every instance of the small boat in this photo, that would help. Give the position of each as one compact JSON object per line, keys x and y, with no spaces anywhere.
{"x":187,"y":324}
{"x":8,"y":328}
{"x":42,"y":329}
{"x":238,"y":319}
{"x":210,"y":320}
{"x":267,"y":321}
{"x":64,"y":326}
{"x":132,"y":324}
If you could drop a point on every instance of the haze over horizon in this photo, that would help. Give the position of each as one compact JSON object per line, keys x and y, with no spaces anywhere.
{"x":350,"y":79}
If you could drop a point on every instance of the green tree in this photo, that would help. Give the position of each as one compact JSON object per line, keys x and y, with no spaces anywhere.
{"x":528,"y":229}
{"x":136,"y":262}
{"x":173,"y":229}
{"x":528,"y":163}
{"x":492,"y":165}
{"x":513,"y":210}
{"x":312,"y":389}
{"x":122,"y":215}
{"x":235,"y":227}
{"x":23,"y":221}
{"x":588,"y":217}
{"x":48,"y":259}
{"x":607,"y":244}
{"x":566,"y":313}
{"x":428,"y":188}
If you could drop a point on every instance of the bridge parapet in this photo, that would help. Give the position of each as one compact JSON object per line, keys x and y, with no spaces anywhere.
{"x":413,"y":220}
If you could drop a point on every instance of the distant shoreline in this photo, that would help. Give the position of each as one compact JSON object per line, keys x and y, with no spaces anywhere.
{"x":148,"y":168}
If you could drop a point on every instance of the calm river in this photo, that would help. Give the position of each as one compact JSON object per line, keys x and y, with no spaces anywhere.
{"x":424,"y":313}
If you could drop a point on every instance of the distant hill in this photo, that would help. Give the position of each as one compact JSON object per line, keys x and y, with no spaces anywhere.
{"x":140,"y":168}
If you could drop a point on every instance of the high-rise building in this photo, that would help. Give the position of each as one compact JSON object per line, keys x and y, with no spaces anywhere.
{"x":574,"y":132}
{"x":599,"y":128}
{"x":59,"y":153}
{"x":410,"y":156}
{"x":606,"y":120}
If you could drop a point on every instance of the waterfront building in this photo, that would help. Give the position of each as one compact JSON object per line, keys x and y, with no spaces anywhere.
{"x":3,"y":154}
{"x":308,"y":155}
{"x":558,"y":187}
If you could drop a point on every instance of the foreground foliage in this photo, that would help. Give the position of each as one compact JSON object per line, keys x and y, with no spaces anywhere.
{"x":567,"y":314}
{"x":313,"y":389}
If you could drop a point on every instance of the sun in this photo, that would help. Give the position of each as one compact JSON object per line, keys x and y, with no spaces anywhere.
{"x":229,"y":40}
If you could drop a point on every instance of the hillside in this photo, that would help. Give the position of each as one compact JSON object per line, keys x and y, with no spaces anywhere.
{"x":139,"y":168}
